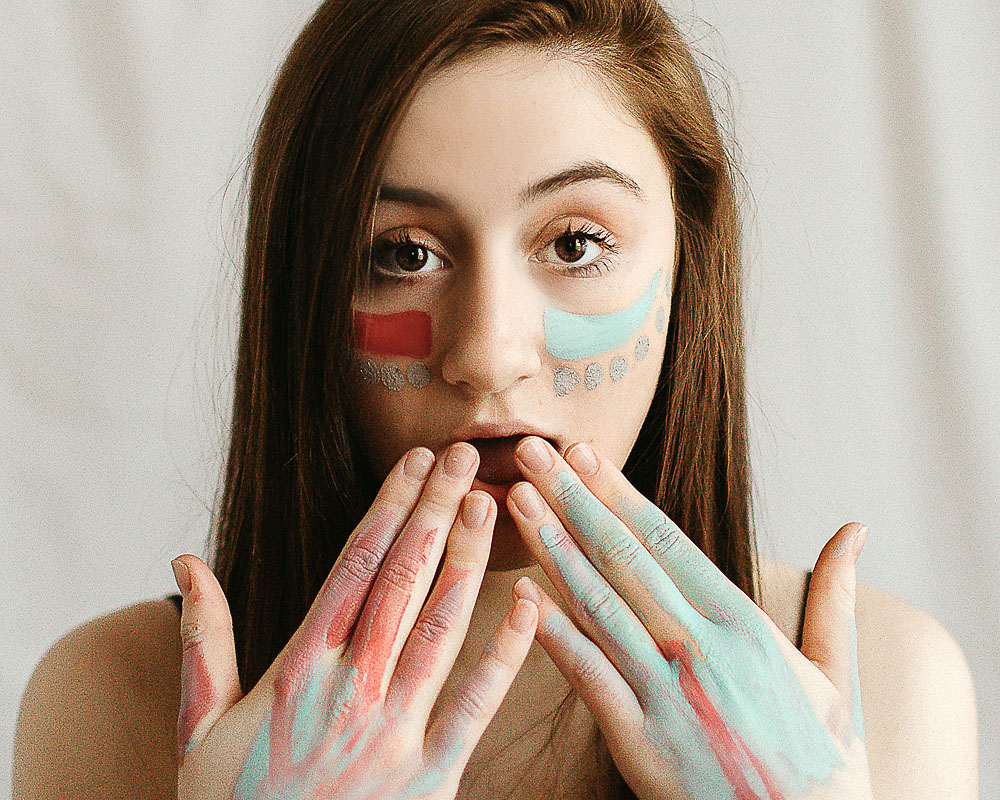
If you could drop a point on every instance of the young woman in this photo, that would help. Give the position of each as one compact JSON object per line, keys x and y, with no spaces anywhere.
{"x":485,"y":528}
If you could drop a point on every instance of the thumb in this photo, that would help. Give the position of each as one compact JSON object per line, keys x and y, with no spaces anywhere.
{"x":210,"y":683}
{"x":829,"y":633}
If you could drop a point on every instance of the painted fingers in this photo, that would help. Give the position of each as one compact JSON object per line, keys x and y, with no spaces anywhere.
{"x":630,"y":539}
{"x":403,"y":582}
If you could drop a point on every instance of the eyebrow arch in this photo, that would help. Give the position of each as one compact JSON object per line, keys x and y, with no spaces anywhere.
{"x":577,"y":173}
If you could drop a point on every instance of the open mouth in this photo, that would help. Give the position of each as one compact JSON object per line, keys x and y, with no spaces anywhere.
{"x":497,"y":465}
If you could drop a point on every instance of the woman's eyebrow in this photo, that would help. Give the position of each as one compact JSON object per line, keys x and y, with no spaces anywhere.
{"x":577,"y":173}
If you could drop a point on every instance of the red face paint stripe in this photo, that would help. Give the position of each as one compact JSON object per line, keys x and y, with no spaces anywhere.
{"x":407,"y":333}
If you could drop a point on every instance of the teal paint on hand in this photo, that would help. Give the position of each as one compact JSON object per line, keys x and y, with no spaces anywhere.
{"x":434,"y":777}
{"x":572,"y":336}
{"x":723,"y":705}
{"x":256,"y":768}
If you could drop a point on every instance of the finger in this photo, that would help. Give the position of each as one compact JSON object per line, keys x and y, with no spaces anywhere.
{"x":402,"y":584}
{"x":210,"y":683}
{"x":611,"y":547}
{"x":592,"y":601}
{"x":829,"y":633}
{"x":438,"y":634}
{"x":335,"y":610}
{"x":608,"y":696}
{"x":456,"y":730}
{"x":701,"y":582}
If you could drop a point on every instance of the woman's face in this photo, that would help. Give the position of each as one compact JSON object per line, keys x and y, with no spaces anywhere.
{"x":521,"y":273}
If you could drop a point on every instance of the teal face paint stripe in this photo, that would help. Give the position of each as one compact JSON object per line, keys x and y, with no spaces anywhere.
{"x":572,"y":336}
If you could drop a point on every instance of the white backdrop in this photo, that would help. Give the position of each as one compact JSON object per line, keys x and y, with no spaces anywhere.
{"x":868,"y":136}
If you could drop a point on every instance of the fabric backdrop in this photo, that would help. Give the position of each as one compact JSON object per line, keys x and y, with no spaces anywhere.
{"x":867,"y":133}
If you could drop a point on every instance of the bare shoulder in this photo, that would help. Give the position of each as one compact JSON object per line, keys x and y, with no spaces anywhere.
{"x":98,"y":718}
{"x":916,"y":689}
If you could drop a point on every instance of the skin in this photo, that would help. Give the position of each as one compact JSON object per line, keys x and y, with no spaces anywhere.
{"x":345,"y":710}
{"x":492,"y":266}
{"x":698,"y":693}
{"x":503,"y":323}
{"x":95,"y":717}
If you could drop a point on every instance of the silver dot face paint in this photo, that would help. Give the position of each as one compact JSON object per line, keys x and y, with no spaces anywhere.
{"x":565,"y":381}
{"x":593,"y":376}
{"x":618,"y":367}
{"x":392,"y":377}
{"x":418,"y":375}
{"x":576,"y":336}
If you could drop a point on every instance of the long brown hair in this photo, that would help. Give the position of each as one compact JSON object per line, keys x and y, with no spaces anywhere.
{"x":295,"y":482}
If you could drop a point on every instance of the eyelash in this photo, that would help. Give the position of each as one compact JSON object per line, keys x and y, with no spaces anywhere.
{"x":602,"y":264}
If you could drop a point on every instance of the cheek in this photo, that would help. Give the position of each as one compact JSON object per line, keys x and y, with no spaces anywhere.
{"x":591,"y":351}
{"x":404,"y":335}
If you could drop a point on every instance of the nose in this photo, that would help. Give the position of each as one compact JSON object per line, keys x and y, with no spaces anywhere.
{"x":493,"y":333}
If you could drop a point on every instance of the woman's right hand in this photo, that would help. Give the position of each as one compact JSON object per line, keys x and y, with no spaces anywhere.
{"x":344,"y":711}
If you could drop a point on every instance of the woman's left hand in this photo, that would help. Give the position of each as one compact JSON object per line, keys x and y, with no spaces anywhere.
{"x":698,"y":693}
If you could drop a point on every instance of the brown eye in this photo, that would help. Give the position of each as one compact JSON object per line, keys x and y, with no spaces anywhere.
{"x":410,"y":257}
{"x":574,"y":247}
{"x":400,"y":256}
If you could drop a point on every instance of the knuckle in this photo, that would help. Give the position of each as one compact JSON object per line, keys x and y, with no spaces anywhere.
{"x":599,"y":604}
{"x":439,"y":504}
{"x":361,"y":562}
{"x":473,"y":702}
{"x":192,"y":633}
{"x":663,"y":537}
{"x":401,"y":573}
{"x":588,"y":670}
{"x":568,"y":493}
{"x":432,"y":626}
{"x":620,"y":552}
{"x":842,"y":595}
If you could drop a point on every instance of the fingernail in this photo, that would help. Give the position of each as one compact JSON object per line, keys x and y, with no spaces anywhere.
{"x":528,"y":501}
{"x":474,"y":510}
{"x":182,"y":575}
{"x":523,"y":587}
{"x":521,"y":619}
{"x":581,"y":458}
{"x":418,"y":463}
{"x":459,"y":460}
{"x":535,"y":455}
{"x":859,"y":542}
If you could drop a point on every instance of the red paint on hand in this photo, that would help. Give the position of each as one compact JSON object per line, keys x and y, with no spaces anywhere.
{"x":197,"y":696}
{"x":730,"y":750}
{"x":407,"y":333}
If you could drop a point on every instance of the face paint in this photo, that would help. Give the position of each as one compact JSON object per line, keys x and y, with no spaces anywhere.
{"x":574,"y":336}
{"x":407,"y":333}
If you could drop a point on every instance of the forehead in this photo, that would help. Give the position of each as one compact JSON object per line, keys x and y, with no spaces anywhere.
{"x":483,"y":129}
